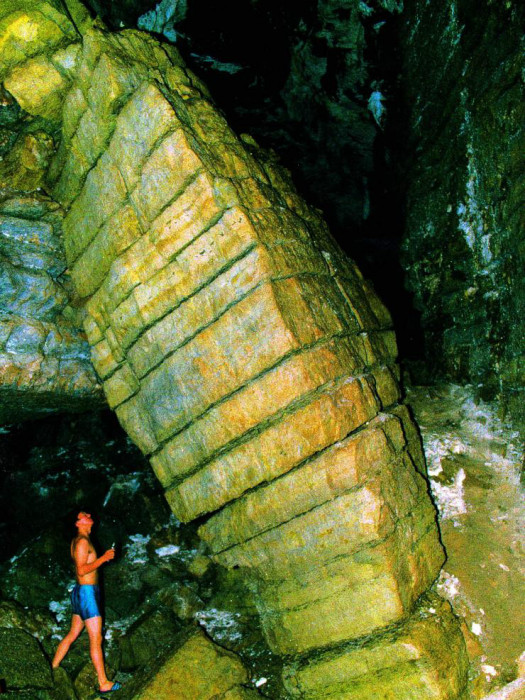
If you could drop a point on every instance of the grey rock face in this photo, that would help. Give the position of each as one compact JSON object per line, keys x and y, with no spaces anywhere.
{"x":44,"y":358}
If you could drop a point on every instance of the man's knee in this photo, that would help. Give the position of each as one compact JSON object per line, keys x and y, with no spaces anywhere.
{"x":95,"y":639}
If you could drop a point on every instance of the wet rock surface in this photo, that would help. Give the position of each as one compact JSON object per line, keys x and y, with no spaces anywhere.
{"x":207,"y":306}
{"x":474,"y":462}
{"x":161,"y":590}
{"x":253,"y":365}
{"x":163,"y":584}
{"x":214,"y":294}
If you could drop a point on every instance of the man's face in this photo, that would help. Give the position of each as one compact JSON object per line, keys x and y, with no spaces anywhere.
{"x":84,"y":518}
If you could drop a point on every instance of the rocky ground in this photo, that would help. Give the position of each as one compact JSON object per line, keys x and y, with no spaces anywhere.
{"x":163,"y":597}
{"x":167,"y":605}
{"x":474,"y":461}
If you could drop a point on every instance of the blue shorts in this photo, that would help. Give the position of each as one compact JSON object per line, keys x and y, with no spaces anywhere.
{"x":85,"y":600}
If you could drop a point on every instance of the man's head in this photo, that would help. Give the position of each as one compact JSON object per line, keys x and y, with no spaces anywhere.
{"x":84,"y":521}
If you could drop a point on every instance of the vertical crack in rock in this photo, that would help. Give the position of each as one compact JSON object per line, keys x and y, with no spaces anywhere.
{"x":463,"y":241}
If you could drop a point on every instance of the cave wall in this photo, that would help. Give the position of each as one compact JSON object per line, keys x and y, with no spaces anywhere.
{"x":246,"y":357}
{"x":464,"y":240}
{"x":45,"y":363}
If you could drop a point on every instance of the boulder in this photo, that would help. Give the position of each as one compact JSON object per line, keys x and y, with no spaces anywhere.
{"x":148,"y":638}
{"x":64,"y":687}
{"x":13,"y":615}
{"x":23,"y":664}
{"x":86,"y":683}
{"x":40,"y":572}
{"x":198,"y":670}
{"x":182,"y":599}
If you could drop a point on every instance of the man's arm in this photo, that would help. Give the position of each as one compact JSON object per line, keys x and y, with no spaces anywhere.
{"x":81,"y":553}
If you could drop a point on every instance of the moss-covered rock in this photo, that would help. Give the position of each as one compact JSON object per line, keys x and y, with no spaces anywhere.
{"x":148,"y":638}
{"x":23,"y":664}
{"x":198,"y":670}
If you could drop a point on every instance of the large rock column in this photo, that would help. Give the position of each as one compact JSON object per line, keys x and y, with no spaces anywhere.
{"x":248,"y":358}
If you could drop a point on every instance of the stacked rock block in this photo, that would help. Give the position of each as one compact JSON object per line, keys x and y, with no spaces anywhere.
{"x":250,"y":361}
{"x":393,"y":665}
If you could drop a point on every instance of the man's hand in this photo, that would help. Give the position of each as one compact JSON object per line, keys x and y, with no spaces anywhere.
{"x":109,"y":554}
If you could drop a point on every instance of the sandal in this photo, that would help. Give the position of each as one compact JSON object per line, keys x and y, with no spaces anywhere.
{"x":116,"y":686}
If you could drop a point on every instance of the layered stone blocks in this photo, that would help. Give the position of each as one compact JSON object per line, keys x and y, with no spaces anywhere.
{"x":412,"y":662}
{"x":37,"y":55}
{"x":248,"y":358}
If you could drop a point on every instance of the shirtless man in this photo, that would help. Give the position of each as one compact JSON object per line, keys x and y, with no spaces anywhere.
{"x":85,"y":601}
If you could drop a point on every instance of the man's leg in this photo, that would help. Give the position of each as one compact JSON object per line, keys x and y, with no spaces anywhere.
{"x":77,"y":625}
{"x":94,"y":628}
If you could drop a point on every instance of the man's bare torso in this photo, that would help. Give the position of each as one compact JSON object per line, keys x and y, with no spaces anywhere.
{"x":92,"y":577}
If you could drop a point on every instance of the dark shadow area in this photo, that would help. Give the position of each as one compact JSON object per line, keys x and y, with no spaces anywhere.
{"x":51,"y":468}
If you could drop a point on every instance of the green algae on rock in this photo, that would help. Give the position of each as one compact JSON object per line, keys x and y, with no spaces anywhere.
{"x":22,"y":661}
